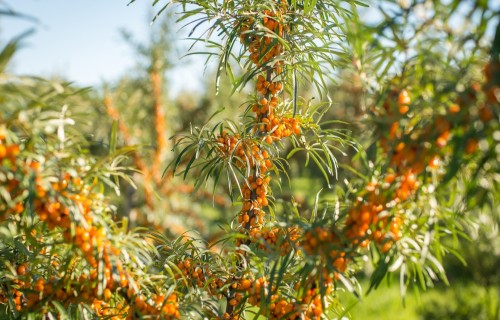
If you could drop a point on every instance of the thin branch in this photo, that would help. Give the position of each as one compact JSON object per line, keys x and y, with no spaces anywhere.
{"x":160,"y":126}
{"x":115,"y":115}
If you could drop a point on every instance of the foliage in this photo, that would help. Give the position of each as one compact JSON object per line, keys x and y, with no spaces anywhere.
{"x":421,"y":178}
{"x":138,"y":105}
{"x":463,"y":302}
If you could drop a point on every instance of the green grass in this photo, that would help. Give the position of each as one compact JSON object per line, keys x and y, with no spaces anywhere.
{"x":383,"y":303}
{"x":461,"y":301}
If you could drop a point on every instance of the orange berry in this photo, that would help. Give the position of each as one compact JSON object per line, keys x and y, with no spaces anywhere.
{"x":246,"y":218}
{"x":393,"y":130}
{"x":434,"y":162}
{"x":454,"y":108}
{"x":442,"y":140}
{"x":139,"y":302}
{"x":485,"y":114}
{"x":265,"y":202}
{"x":3,"y":151}
{"x":13,"y":150}
{"x":471,"y":146}
{"x":403,"y":101}
{"x":259,"y":181}
{"x":386,"y":247}
{"x":246,"y":284}
{"x":21,"y":269}
{"x":107,"y":294}
{"x":86,"y":247}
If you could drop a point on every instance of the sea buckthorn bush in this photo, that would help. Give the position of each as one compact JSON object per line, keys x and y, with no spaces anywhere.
{"x":411,"y":163}
{"x":62,"y":252}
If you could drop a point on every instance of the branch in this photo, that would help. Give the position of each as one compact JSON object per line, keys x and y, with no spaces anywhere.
{"x":115,"y":115}
{"x":160,"y":126}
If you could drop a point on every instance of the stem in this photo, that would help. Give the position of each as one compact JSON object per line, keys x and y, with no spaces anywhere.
{"x":115,"y":115}
{"x":160,"y":126}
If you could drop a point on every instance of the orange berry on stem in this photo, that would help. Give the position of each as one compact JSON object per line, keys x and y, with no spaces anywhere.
{"x":434,"y":162}
{"x":403,"y":101}
{"x":471,"y":146}
{"x":454,"y":108}
{"x":107,"y":294}
{"x":21,"y":269}
{"x":3,"y":151}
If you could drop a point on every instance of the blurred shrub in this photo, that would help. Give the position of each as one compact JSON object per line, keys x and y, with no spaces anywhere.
{"x":461,"y":302}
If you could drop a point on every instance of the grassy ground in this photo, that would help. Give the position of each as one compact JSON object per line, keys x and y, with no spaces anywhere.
{"x":460,"y":301}
{"x":383,"y":303}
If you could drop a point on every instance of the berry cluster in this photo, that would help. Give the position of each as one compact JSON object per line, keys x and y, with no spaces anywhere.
{"x":8,"y":157}
{"x":254,"y":199}
{"x":369,"y":218}
{"x":245,"y":152}
{"x":8,"y":152}
{"x":68,"y":207}
{"x":261,"y":35}
{"x":325,"y":243}
{"x":413,"y":150}
{"x":255,"y":291}
{"x":200,"y":276}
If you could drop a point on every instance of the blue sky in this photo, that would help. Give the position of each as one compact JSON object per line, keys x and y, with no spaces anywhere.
{"x":80,"y":40}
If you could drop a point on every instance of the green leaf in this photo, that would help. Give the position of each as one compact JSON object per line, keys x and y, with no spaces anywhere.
{"x":10,"y":49}
{"x":378,"y":275}
{"x":63,"y":314}
{"x":309,"y":6}
{"x":113,"y":137}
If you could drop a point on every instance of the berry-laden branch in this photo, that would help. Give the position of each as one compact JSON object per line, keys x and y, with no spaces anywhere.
{"x":269,"y":127}
{"x":250,"y":154}
{"x":71,"y":218}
